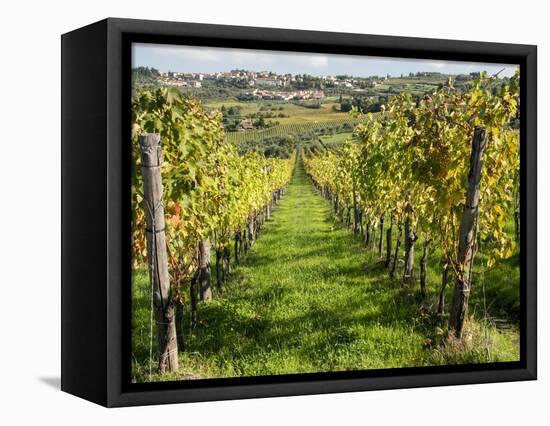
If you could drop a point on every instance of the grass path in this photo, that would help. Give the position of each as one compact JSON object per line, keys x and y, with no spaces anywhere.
{"x":304,"y":301}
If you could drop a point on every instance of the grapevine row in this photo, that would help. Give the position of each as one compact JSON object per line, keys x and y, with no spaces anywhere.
{"x":443,"y":171}
{"x":214,"y":198}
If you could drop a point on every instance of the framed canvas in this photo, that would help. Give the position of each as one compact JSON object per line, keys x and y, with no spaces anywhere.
{"x":256,"y":212}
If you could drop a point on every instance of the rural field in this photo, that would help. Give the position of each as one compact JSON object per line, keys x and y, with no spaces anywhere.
{"x":289,"y":223}
{"x":310,"y":297}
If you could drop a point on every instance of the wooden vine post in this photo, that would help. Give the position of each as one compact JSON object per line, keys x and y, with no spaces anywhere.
{"x":205,"y":279}
{"x":410,"y":239}
{"x":151,"y":160}
{"x":356,"y":214}
{"x":467,"y":242}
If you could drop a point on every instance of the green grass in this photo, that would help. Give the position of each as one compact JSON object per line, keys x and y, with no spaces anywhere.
{"x":297,"y":114}
{"x":337,"y":139}
{"x":310,"y":298}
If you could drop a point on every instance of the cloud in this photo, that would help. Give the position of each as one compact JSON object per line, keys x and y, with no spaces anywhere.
{"x":243,"y":58}
{"x":438,"y":64}
{"x":197,"y":53}
{"x":306,"y":59}
{"x":318,"y":61}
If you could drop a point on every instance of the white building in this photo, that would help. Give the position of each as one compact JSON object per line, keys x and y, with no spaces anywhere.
{"x":272,"y":82}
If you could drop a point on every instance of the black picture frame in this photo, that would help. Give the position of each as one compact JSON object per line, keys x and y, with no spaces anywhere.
{"x":96,"y":210}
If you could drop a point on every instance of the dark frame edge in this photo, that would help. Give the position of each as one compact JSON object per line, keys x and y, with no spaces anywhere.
{"x":83,"y":197}
{"x":413,"y":47}
{"x":319,"y":387}
{"x":529,"y":205}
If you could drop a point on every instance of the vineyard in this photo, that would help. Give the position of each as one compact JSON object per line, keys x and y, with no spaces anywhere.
{"x":336,"y":125}
{"x":366,"y":255}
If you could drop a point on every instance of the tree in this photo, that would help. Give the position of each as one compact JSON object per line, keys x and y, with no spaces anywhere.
{"x":346,"y":105}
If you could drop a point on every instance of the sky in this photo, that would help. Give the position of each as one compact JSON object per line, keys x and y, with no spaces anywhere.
{"x":199,"y":59}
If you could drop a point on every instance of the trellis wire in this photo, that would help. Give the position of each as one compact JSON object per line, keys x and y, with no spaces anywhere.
{"x":151,"y":279}
{"x":482,"y":279}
